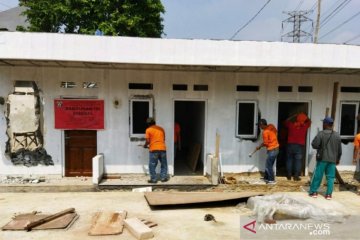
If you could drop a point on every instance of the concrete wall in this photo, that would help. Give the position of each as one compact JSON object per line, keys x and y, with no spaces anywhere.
{"x":124,"y":156}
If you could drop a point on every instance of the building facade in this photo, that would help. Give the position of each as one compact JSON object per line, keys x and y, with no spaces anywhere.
{"x":209,"y":87}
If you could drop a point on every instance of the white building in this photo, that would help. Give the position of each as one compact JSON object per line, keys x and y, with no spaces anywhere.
{"x":207,"y":86}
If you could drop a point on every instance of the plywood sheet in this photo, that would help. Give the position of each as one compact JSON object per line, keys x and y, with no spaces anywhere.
{"x":107,"y":223}
{"x":193,"y":156}
{"x":179,"y":198}
{"x":21,"y":221}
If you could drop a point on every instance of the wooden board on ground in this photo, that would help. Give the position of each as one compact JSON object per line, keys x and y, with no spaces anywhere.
{"x":179,"y":198}
{"x":193,"y":156}
{"x":107,"y":223}
{"x":20,"y":222}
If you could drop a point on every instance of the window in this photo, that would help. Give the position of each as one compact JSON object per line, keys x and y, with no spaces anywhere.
{"x":284,"y":88}
{"x":305,"y":89}
{"x":68,"y":85}
{"x":349,"y":122}
{"x":198,"y":87}
{"x":246,"y":118}
{"x":143,"y":86}
{"x":180,"y":87}
{"x":247,"y":88}
{"x":140,"y":110}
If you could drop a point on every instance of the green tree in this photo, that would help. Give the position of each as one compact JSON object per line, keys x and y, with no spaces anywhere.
{"x":140,"y":18}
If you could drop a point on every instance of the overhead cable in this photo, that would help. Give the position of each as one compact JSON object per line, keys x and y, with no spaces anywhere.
{"x":232,"y":37}
{"x":340,"y":25}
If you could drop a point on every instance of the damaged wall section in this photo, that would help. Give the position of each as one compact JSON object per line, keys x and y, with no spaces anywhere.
{"x":23,"y":114}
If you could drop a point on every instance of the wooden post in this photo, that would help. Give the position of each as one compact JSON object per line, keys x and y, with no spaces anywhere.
{"x":333,"y":112}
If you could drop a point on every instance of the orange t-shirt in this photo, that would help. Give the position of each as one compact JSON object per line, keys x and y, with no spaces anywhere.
{"x":177,"y":130}
{"x":357,"y":141}
{"x":270,"y":137}
{"x":156,"y":136}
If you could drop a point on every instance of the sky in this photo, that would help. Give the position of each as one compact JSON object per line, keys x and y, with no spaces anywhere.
{"x":222,"y":19}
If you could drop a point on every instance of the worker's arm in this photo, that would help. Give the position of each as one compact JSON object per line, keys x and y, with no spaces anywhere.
{"x":147,"y":142}
{"x":356,"y":155}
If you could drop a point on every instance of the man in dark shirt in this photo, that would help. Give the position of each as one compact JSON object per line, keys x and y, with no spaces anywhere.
{"x":328,"y":145}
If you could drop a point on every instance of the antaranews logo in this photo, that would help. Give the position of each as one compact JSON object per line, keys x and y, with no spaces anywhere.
{"x":250,"y":226}
{"x":253,"y":229}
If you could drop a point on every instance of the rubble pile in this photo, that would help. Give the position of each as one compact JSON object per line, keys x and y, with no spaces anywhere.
{"x":21,"y":180}
{"x":31,"y":158}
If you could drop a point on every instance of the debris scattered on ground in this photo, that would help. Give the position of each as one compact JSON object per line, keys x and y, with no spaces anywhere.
{"x":31,"y":158}
{"x":281,"y":206}
{"x":29,"y":221}
{"x":138,"y":229}
{"x":142,"y":189}
{"x":107,"y":223}
{"x":21,"y":180}
{"x":209,"y":217}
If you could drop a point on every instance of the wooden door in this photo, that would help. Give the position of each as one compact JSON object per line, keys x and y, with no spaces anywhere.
{"x":80,"y":148}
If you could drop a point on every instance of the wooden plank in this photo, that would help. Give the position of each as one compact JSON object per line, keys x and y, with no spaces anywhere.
{"x":193,"y":156}
{"x":179,"y":198}
{"x":107,"y":223}
{"x":48,"y":218}
{"x":333,"y":112}
{"x":20,"y":222}
{"x":58,"y":223}
{"x":138,"y":229}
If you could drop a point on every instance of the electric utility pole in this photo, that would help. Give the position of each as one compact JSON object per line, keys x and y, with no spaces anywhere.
{"x":317,"y":22}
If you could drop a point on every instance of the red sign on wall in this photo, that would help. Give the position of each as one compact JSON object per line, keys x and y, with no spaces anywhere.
{"x":79,"y":114}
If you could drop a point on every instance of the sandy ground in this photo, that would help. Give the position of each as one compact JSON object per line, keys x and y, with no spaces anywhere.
{"x":175,"y":223}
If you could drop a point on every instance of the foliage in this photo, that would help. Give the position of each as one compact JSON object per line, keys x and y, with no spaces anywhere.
{"x":140,"y":18}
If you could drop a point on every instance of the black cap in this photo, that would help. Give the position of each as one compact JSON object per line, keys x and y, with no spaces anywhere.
{"x":262,"y":122}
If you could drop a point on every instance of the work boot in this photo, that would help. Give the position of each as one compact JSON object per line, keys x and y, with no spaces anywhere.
{"x":288,"y":178}
{"x":313,"y":195}
{"x":152,"y":181}
{"x":297,"y":179}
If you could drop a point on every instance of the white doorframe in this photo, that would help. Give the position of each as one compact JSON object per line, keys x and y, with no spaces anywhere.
{"x":205,"y":132}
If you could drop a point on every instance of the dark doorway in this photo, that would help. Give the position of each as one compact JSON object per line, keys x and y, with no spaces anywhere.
{"x":80,"y":148}
{"x":190,"y":115}
{"x":287,"y":109}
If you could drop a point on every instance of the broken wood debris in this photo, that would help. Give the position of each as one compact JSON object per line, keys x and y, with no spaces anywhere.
{"x":107,"y":223}
{"x":29,"y":221}
{"x":138,"y":228}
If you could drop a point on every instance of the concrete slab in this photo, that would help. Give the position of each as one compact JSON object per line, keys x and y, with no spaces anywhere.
{"x":141,"y":180}
{"x":172,"y":223}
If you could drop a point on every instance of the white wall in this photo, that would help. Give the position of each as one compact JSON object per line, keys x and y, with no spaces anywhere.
{"x":122,"y":155}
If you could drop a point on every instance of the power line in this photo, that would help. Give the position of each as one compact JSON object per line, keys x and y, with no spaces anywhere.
{"x":352,"y":39}
{"x":334,"y":12}
{"x":5,"y":5}
{"x":340,"y":25}
{"x":232,"y":37}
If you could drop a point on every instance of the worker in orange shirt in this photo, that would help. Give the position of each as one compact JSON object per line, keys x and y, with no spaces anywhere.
{"x":356,"y":149}
{"x":271,"y":143}
{"x":155,"y":141}
{"x":177,"y":138}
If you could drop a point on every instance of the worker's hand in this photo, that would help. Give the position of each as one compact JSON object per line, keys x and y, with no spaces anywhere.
{"x":258,"y":147}
{"x":354,"y":161}
{"x":146,"y":146}
{"x":337,"y":162}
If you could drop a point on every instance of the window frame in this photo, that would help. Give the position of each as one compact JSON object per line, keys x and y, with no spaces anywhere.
{"x":150,"y":114}
{"x":255,"y":118}
{"x":356,"y":103}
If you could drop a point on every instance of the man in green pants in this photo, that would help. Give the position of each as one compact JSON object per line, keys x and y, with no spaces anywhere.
{"x":328,"y":145}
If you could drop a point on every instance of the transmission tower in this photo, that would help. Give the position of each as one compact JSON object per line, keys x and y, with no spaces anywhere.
{"x":297,"y":18}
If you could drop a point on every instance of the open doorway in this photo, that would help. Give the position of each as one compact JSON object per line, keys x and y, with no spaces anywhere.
{"x":188,"y":157}
{"x":287,"y":109}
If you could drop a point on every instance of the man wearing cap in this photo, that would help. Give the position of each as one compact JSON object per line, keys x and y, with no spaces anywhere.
{"x":155,"y":141}
{"x":271,"y":143}
{"x":328,"y":145}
